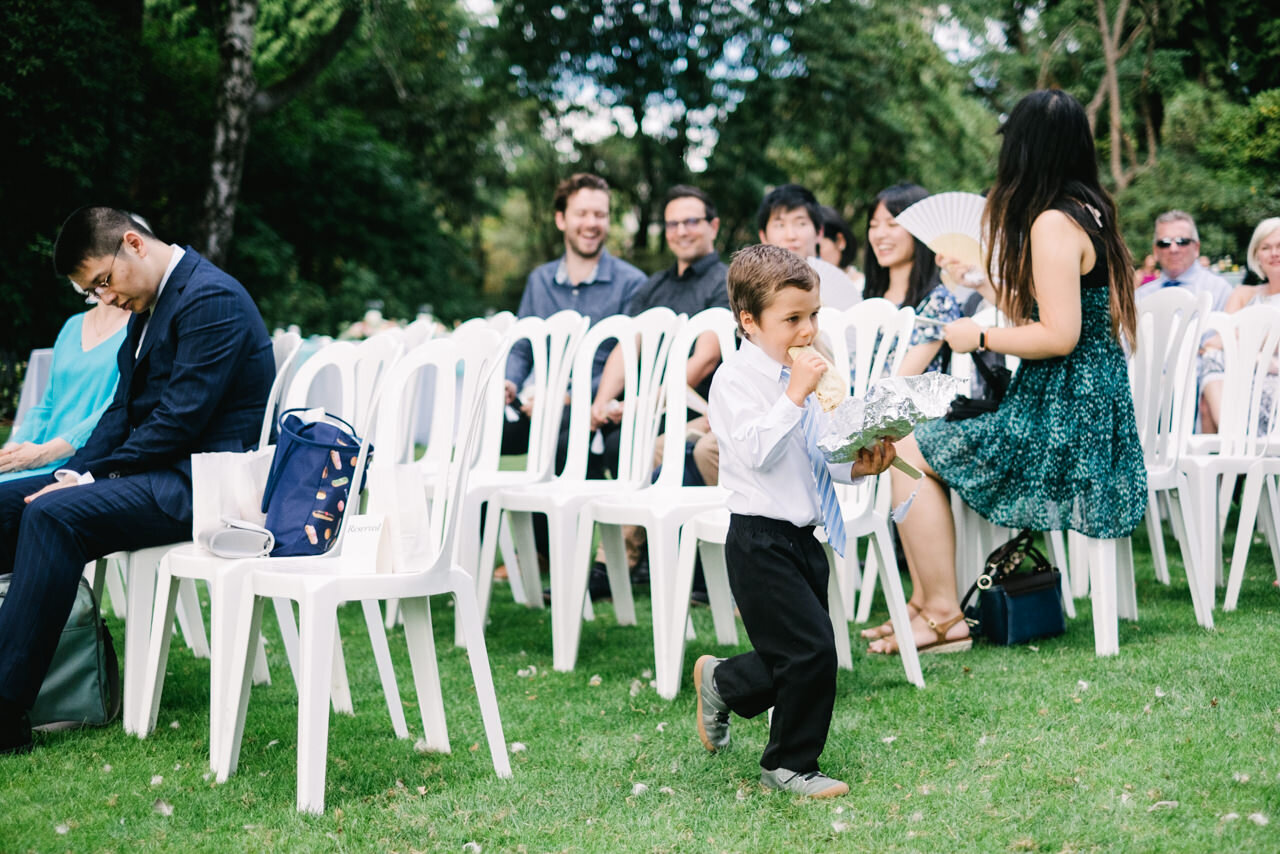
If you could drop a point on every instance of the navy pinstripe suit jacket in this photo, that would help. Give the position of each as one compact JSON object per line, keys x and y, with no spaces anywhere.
{"x":199,"y":383}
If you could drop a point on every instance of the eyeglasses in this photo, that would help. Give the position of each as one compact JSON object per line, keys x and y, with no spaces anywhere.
{"x":690,"y":223}
{"x":101,"y":287}
{"x":1165,"y":242}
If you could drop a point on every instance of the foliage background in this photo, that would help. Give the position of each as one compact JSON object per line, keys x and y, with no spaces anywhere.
{"x":415,"y":166}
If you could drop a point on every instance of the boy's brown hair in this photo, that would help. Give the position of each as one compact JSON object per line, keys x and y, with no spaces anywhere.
{"x":758,"y":272}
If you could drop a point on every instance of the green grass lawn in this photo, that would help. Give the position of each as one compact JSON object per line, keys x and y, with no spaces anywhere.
{"x":1170,"y":746}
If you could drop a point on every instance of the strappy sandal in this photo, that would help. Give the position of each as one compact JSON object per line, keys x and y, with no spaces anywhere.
{"x":939,"y":645}
{"x":885,"y":629}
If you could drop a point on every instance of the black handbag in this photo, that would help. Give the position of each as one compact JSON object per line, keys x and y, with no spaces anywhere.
{"x":1019,"y":595}
{"x":995,"y":381}
{"x":82,"y":686}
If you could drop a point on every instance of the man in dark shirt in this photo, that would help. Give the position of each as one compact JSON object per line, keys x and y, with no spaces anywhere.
{"x":696,"y":282}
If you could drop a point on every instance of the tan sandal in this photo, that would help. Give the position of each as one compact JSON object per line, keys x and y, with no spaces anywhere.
{"x":885,"y":629}
{"x":939,"y":645}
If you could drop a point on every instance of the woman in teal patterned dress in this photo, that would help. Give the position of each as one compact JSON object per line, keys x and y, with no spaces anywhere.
{"x":1062,"y":450}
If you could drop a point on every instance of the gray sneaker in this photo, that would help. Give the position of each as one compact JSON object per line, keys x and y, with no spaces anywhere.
{"x":814,"y":784}
{"x":713,"y":712}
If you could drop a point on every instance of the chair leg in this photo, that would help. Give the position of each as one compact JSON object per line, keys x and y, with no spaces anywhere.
{"x":318,"y":639}
{"x":141,"y":585}
{"x":669,"y":589}
{"x":568,"y":589}
{"x":191,"y":620}
{"x":386,"y":670}
{"x":1249,"y":501}
{"x":468,"y":613}
{"x":526,"y":551}
{"x":1271,"y":521}
{"x":288,"y":633}
{"x":157,"y":653}
{"x":882,"y":545}
{"x":1101,"y":559}
{"x":1126,"y":594}
{"x":340,"y":688}
{"x":239,"y":675}
{"x":261,"y":672}
{"x":719,"y":594}
{"x":1057,"y":544}
{"x":1155,"y":535}
{"x":1078,"y":557}
{"x":512,"y":560}
{"x":426,"y":672}
{"x":615,"y":561}
{"x":1202,"y":530}
{"x":115,"y":589}
{"x":835,"y":608}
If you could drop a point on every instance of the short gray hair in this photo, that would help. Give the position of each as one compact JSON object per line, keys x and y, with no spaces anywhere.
{"x":1261,"y":233}
{"x":1178,"y":216}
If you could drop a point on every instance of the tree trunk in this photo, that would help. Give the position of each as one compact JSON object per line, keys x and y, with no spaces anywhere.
{"x":236,"y":89}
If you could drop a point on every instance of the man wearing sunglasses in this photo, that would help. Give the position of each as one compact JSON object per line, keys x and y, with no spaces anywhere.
{"x":195,"y":369}
{"x":1177,"y":249}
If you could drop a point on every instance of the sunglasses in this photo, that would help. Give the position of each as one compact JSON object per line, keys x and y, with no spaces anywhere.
{"x":1165,"y":242}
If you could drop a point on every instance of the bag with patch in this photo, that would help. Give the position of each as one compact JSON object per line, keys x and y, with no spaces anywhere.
{"x":310,"y":482}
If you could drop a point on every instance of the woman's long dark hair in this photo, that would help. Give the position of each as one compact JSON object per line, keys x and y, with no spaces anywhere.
{"x":1048,"y":159}
{"x":924,"y":269}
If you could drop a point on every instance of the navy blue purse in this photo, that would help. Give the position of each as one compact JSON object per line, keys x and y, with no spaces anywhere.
{"x":310,"y":483}
{"x":1019,"y":595}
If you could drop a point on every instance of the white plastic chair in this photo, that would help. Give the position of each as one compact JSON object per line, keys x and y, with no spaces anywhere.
{"x":704,"y":535}
{"x":1250,"y":348}
{"x":422,"y":566}
{"x":140,"y":568}
{"x":338,"y":364}
{"x":881,"y":335}
{"x":1162,"y":378}
{"x":554,"y":341}
{"x":661,"y":509}
{"x":644,"y":341}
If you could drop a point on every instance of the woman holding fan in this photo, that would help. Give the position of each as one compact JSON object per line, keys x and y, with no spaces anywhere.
{"x":902,"y":270}
{"x":1061,"y":451}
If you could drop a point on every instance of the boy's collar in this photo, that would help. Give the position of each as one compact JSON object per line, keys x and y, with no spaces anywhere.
{"x":759,"y":360}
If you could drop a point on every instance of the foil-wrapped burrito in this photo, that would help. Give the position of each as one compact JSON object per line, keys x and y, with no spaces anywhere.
{"x":890,"y":409}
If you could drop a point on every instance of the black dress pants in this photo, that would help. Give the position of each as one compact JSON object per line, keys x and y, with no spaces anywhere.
{"x":778,"y":573}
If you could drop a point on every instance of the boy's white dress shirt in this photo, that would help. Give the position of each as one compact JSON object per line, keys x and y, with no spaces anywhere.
{"x":764,"y":460}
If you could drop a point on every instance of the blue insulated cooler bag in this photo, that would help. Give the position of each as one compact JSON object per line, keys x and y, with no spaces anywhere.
{"x":309,"y":483}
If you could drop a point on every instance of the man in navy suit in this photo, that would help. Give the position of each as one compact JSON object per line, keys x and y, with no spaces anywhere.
{"x":195,"y":370}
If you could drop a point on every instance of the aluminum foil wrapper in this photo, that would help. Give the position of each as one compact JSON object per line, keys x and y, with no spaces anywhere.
{"x":891,"y":409}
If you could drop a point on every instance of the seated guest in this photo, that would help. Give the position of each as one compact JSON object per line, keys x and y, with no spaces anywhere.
{"x":1263,"y":259}
{"x":586,"y":279}
{"x":696,"y":282}
{"x":82,"y":381}
{"x":1176,"y":245}
{"x":838,"y":246}
{"x":789,"y":216}
{"x":904,"y":271}
{"x":195,"y":370}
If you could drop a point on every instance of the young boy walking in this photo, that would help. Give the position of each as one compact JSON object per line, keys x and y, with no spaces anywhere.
{"x":764,"y":412}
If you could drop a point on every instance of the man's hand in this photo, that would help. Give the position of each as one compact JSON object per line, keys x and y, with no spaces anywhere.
{"x":510,"y":389}
{"x":873,"y":460}
{"x":23,"y":456}
{"x":62,"y":484}
{"x":806,"y":369}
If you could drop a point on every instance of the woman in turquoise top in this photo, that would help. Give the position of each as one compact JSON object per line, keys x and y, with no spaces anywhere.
{"x":1061,"y":452}
{"x":82,"y":382}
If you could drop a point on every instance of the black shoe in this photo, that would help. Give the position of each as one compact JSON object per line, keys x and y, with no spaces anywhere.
{"x":640,"y":572}
{"x":699,"y":598}
{"x":15,"y":729}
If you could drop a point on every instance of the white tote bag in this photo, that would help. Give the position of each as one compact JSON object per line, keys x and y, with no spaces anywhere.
{"x":226,"y":499}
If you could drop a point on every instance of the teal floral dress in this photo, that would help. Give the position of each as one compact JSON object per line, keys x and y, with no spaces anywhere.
{"x":1062,"y":451}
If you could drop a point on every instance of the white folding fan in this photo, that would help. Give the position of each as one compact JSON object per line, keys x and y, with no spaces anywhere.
{"x":948,"y":223}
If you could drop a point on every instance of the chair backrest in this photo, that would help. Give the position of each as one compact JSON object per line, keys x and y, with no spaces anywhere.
{"x":714,"y":321}
{"x":881,"y":334}
{"x":342,"y":376}
{"x":644,"y":341}
{"x":554,"y":340}
{"x":1250,"y":388}
{"x":421,"y":505}
{"x":422,"y":329}
{"x":1162,"y":371}
{"x":285,"y":346}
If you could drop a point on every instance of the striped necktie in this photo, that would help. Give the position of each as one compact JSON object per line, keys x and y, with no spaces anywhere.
{"x":832,"y":516}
